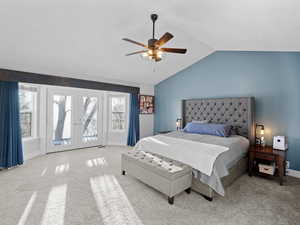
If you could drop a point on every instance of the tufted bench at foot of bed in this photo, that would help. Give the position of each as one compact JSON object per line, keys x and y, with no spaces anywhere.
{"x":165,"y":175}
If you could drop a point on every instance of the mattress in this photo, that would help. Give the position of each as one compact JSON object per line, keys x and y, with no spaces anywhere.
{"x":238,"y":147}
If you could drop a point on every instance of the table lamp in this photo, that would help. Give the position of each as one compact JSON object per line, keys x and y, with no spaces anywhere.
{"x":178,"y":123}
{"x":260,"y":140}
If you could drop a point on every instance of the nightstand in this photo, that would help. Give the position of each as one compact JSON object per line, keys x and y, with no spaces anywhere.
{"x":268,"y":154}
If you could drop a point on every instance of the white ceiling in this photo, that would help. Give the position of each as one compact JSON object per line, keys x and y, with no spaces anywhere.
{"x":82,"y":38}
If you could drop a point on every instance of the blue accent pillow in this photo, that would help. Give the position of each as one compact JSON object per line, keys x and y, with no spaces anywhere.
{"x":221,"y":130}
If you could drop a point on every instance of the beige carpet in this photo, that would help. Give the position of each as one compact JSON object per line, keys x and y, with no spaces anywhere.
{"x":85,"y":187}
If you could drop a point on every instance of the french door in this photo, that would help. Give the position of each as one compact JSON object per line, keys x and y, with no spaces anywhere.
{"x":74,"y":119}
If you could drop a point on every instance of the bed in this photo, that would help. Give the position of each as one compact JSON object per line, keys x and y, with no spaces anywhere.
{"x":228,"y":165}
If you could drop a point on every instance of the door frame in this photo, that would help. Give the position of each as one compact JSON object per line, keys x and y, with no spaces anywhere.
{"x":100,"y":118}
{"x":76,"y":122}
{"x":115,"y":137}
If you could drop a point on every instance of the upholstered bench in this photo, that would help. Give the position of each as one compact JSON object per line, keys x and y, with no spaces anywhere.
{"x":165,"y":175}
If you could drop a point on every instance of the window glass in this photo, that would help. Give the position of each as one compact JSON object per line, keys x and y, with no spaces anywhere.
{"x":62,"y":112}
{"x":27,"y":97}
{"x":118,"y":113}
{"x":90,"y":119}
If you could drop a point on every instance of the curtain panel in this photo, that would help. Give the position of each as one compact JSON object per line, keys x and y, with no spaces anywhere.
{"x":134,"y":121}
{"x":11,"y":152}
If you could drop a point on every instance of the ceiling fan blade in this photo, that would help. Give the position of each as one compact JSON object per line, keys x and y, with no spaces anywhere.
{"x":138,"y":52}
{"x":164,"y":39}
{"x":135,"y":42}
{"x":174,"y":50}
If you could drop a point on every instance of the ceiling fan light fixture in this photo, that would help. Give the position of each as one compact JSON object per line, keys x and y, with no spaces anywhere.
{"x":155,"y":55}
{"x":154,"y":51}
{"x":144,"y":55}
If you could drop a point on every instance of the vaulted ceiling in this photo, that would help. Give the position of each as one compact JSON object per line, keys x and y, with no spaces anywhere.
{"x":82,"y":38}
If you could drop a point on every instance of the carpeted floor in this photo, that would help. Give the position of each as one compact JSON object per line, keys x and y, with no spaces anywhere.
{"x":86,"y":187}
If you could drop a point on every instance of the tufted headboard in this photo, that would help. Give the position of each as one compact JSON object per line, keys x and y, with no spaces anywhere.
{"x":238,"y":112}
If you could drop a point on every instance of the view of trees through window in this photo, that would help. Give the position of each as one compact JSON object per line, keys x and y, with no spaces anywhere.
{"x":118,"y":113}
{"x":90,"y":111}
{"x":62,"y":112}
{"x":27,"y":101}
{"x":62,"y":119}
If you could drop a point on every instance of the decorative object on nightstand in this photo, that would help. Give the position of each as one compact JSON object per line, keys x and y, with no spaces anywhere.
{"x":280,"y":143}
{"x":260,"y":140}
{"x":179,"y":124}
{"x":260,"y":157}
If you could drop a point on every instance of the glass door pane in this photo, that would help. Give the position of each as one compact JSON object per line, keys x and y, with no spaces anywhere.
{"x":62,"y":120}
{"x":118,"y":113}
{"x":89,"y":119}
{"x":74,"y":119}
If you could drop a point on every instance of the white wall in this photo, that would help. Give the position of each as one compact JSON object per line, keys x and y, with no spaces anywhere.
{"x":146,"y":121}
{"x":31,"y":148}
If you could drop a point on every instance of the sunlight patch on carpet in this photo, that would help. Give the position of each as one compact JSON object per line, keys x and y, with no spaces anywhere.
{"x":63,"y":168}
{"x":44,"y":172}
{"x":96,"y":162}
{"x":27,"y":209}
{"x":112,"y":202}
{"x":55,"y":208}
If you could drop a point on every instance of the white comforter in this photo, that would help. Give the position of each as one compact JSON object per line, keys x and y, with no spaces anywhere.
{"x":210,"y":156}
{"x":200,"y":156}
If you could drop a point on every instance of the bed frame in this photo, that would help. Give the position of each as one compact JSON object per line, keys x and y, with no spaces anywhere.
{"x":238,"y":112}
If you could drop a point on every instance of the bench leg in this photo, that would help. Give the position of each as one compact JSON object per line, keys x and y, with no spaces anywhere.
{"x":171,"y":200}
{"x":188,"y":190}
{"x":207,"y":198}
{"x":123,"y":172}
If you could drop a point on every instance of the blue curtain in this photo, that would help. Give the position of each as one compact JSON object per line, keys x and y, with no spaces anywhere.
{"x":134,"y":121}
{"x":11,"y":153}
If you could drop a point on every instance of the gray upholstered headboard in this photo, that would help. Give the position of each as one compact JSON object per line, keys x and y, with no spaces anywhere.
{"x":238,"y":112}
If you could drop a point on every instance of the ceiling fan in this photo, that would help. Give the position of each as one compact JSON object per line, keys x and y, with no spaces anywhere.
{"x":153,"y":50}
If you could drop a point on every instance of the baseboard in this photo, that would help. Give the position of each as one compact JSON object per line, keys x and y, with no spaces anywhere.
{"x":293,"y":173}
{"x":31,"y":155}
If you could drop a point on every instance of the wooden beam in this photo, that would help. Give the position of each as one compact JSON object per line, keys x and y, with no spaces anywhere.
{"x":35,"y":78}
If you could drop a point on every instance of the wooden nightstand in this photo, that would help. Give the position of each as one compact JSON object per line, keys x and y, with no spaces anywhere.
{"x":268,"y":154}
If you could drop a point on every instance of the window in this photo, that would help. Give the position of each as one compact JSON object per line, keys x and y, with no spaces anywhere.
{"x":28,"y":118}
{"x":118,"y":112}
{"x":62,"y":119}
{"x":90,"y":119}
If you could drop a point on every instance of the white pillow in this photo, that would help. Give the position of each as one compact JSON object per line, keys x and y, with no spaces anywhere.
{"x":200,"y":121}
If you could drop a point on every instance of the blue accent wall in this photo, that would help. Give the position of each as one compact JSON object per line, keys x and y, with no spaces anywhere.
{"x":273,"y":78}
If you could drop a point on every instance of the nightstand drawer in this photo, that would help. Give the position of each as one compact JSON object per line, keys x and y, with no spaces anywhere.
{"x":268,"y":169}
{"x":264,"y":156}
